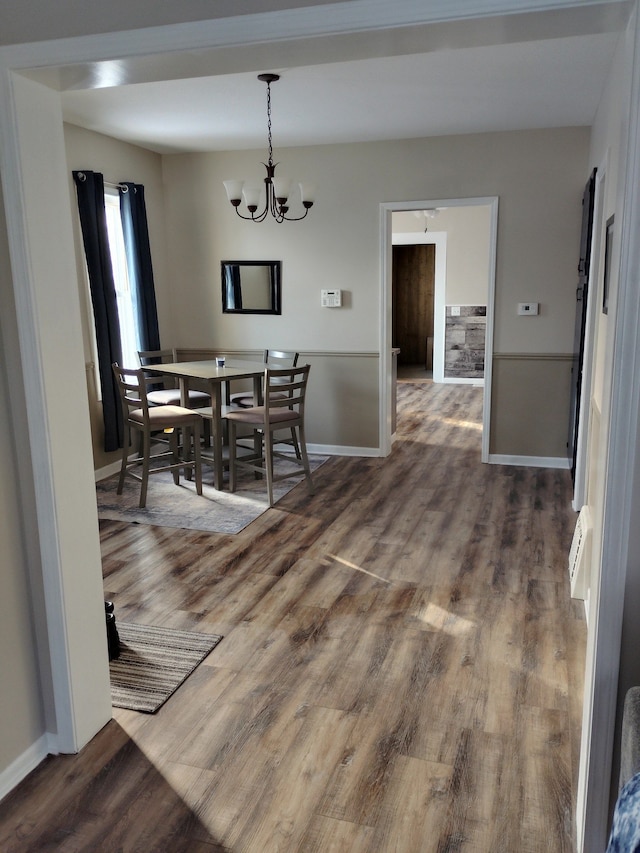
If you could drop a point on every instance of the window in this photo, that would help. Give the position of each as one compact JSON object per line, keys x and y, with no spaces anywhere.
{"x":126,"y":314}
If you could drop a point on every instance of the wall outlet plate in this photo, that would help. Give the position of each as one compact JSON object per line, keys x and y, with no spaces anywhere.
{"x":528,"y":308}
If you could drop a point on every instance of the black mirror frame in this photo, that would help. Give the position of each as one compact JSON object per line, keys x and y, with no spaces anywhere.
{"x":275,"y":280}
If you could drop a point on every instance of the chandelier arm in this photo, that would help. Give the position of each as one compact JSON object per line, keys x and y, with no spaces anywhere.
{"x":275,"y":212}
{"x":297,"y":218}
{"x":252,"y":217}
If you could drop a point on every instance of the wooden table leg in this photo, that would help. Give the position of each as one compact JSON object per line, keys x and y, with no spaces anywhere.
{"x":258,"y":397}
{"x":216,"y":403}
{"x":187,"y":436}
{"x":184,"y":392}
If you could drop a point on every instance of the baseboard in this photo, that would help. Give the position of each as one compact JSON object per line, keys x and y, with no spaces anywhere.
{"x":320,"y":449}
{"x":529,"y":461}
{"x":107,"y":471}
{"x":339,"y":450}
{"x":114,"y":467}
{"x":461,"y":380}
{"x":19,"y":769}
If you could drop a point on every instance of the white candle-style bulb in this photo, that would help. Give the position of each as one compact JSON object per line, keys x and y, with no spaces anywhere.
{"x":251,"y":196}
{"x":282,"y":187}
{"x":308,"y":192}
{"x":234,"y":189}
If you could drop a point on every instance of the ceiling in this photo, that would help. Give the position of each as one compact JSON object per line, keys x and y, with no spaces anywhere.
{"x":531,"y":70}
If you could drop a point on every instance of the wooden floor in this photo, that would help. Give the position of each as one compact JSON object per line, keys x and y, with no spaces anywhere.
{"x":401,"y":668}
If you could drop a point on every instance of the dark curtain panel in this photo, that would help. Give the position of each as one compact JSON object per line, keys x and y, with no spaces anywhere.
{"x":133,"y":213}
{"x":90,"y":191}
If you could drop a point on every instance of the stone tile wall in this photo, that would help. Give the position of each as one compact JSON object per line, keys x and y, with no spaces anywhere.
{"x":464,"y":342}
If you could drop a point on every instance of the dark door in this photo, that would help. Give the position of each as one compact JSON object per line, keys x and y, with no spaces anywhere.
{"x":581,"y":319}
{"x":412,"y":301}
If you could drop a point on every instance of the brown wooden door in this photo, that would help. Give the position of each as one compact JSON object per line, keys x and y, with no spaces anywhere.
{"x":412,"y":301}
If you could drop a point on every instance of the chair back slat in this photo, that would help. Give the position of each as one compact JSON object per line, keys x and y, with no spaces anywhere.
{"x":277,"y":359}
{"x":155,"y":357}
{"x":132,"y":385}
{"x":286,"y":388}
{"x":281,"y":358}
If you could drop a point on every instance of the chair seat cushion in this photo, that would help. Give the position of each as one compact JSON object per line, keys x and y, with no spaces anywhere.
{"x":162,"y":417}
{"x":256,"y":416}
{"x":171,"y":397}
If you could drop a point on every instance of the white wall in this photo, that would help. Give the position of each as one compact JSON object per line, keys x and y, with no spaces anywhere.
{"x":22,"y":699}
{"x":332,"y":248}
{"x":50,"y":349}
{"x":607,"y":155}
{"x":468,"y":230}
{"x":538,"y":177}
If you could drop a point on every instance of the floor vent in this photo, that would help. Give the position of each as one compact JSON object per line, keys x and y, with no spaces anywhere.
{"x":580,"y":555}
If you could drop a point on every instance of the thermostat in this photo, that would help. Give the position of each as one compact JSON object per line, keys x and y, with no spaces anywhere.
{"x":331,"y":298}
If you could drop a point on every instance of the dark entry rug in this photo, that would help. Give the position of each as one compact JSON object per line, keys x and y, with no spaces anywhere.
{"x":153,"y":663}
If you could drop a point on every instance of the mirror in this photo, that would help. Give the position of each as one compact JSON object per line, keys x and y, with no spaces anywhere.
{"x":251,"y":287}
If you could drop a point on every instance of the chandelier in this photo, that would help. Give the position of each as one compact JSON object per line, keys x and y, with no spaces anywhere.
{"x":277,"y":189}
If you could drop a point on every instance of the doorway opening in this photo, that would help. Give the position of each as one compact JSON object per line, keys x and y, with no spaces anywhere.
{"x":438,"y":292}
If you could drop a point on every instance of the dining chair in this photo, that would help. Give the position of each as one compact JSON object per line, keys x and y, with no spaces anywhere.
{"x":273,"y":358}
{"x":150,"y":421}
{"x":283,"y":408}
{"x":245,"y":399}
{"x":169,"y":394}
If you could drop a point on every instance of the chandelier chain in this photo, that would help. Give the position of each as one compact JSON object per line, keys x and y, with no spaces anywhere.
{"x":269,"y":123}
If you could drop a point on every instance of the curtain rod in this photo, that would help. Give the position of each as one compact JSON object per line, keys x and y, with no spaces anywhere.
{"x":116,"y":186}
{"x":120,"y":185}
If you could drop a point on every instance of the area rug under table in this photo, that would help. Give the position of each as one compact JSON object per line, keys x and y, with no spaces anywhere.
{"x":215,"y":511}
{"x":153,"y":663}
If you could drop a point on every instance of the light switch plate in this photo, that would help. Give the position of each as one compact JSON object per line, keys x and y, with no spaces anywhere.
{"x":528,"y":308}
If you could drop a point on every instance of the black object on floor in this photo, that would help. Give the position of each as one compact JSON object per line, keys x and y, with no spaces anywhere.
{"x":113,"y":640}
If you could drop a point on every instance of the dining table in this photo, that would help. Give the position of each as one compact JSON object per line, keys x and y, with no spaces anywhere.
{"x":215,"y":375}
